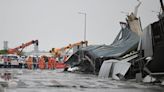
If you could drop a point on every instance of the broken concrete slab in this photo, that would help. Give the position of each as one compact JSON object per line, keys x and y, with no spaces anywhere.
{"x":149,"y":79}
{"x":120,"y":68}
{"x":106,"y":68}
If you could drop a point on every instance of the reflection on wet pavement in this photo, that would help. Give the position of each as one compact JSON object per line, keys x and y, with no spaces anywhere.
{"x":59,"y":81}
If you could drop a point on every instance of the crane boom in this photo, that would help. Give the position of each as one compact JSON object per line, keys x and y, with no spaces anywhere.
{"x":16,"y":49}
{"x":57,"y":51}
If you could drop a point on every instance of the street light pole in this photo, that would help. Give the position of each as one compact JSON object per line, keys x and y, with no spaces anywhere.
{"x":85,"y":24}
{"x":85,"y":28}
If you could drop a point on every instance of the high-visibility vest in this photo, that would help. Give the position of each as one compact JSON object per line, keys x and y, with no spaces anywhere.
{"x":41,"y":63}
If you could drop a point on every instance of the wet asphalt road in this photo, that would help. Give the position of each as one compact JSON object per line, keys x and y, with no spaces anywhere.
{"x":59,"y":81}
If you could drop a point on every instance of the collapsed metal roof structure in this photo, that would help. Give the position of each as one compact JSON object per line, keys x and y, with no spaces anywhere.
{"x":143,"y":49}
{"x":125,"y":42}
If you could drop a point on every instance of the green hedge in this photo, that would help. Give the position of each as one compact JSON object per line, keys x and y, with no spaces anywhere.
{"x":3,"y":51}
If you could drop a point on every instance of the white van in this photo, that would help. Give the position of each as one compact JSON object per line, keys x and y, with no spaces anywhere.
{"x":14,"y":59}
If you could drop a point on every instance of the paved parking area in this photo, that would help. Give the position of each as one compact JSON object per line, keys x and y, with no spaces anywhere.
{"x":59,"y":81}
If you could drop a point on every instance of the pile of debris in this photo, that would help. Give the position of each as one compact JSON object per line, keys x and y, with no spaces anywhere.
{"x":135,"y":53}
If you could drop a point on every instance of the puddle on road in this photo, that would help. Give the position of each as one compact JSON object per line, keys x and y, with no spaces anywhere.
{"x":51,"y":81}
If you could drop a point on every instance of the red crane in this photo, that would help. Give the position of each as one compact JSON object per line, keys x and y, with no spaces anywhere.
{"x":17,"y":49}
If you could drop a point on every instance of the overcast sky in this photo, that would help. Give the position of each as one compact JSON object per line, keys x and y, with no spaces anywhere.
{"x":56,"y":23}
